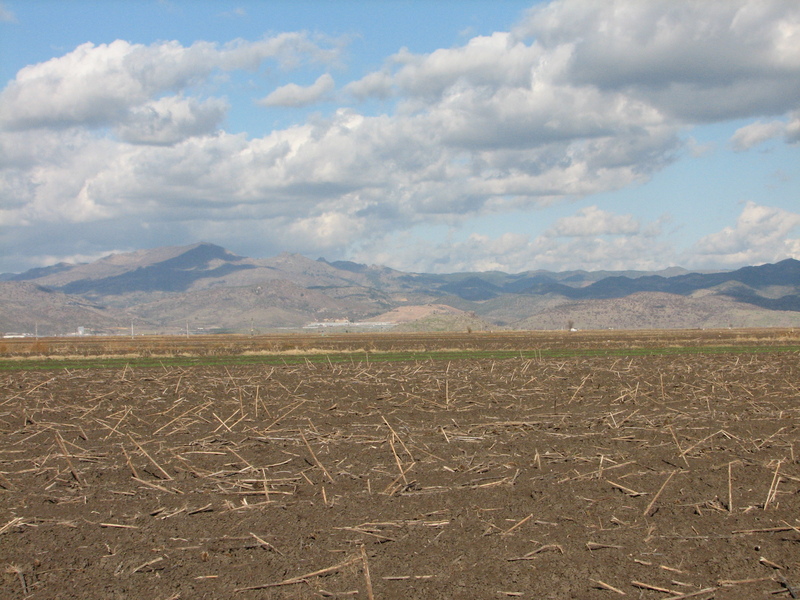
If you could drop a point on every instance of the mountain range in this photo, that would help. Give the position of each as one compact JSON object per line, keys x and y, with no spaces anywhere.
{"x":203,"y":287}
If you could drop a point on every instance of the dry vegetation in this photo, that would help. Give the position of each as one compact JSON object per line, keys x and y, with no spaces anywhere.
{"x":644,"y":476}
{"x":314,"y":343}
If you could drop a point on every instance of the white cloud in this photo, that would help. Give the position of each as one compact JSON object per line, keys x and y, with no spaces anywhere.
{"x":377,"y":84}
{"x":754,"y":134}
{"x":296,"y":95}
{"x":96,"y":85}
{"x":171,"y":119}
{"x":581,"y":98}
{"x":46,"y":177}
{"x":762,"y":234}
{"x":495,"y":61}
{"x":592,"y":221}
{"x":793,"y":128}
{"x":710,"y":60}
{"x":575,"y":242}
{"x":328,"y":231}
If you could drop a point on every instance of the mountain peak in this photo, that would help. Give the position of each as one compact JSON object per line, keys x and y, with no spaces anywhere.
{"x":152,"y":256}
{"x":146,"y":281}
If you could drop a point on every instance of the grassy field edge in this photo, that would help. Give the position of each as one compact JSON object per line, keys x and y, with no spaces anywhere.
{"x":316,"y":357}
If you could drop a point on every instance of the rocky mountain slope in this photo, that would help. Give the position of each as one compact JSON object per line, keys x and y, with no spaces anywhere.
{"x":206,"y":287}
{"x":30,"y":308}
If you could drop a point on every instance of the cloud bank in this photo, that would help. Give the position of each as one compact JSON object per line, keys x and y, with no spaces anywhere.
{"x":577,"y":99}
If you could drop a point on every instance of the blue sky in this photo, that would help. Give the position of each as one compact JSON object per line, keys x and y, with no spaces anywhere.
{"x":426,"y":136}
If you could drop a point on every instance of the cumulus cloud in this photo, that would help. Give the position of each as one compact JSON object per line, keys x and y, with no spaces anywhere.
{"x":793,"y":128}
{"x":495,"y":61}
{"x":761,"y":234}
{"x":754,"y":134}
{"x":619,"y":242}
{"x":593,"y":221}
{"x":96,"y":85}
{"x":296,"y":95}
{"x":171,"y":119}
{"x":47,"y":177}
{"x":374,"y":85}
{"x":580,"y":98}
{"x":711,"y":60}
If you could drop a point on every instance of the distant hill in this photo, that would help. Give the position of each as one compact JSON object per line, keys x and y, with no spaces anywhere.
{"x":206,"y":287}
{"x":657,"y":310}
{"x":30,"y":308}
{"x":753,"y":285}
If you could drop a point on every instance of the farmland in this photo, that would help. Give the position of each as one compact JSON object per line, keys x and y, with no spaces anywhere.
{"x":533,"y":465}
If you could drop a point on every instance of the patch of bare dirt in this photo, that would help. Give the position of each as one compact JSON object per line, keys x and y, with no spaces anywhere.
{"x":406,"y":314}
{"x":592,"y":478}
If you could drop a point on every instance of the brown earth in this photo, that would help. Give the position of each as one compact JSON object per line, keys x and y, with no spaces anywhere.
{"x":406,"y":314}
{"x":584,"y":477}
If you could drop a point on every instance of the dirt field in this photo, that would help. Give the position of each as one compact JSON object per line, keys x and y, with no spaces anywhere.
{"x":576,"y":478}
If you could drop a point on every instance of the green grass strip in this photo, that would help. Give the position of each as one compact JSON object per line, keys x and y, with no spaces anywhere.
{"x":89,"y":362}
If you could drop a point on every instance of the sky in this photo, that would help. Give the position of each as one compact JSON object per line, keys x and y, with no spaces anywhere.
{"x":423,"y":135}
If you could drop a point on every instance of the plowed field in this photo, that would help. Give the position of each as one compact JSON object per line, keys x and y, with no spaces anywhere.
{"x":580,"y":477}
